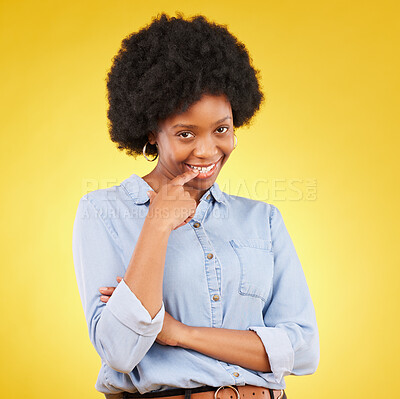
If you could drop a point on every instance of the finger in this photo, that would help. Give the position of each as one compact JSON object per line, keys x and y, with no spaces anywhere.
{"x":151,"y":194}
{"x":187,"y":220}
{"x":104,"y":298}
{"x":107,"y":290}
{"x":185,"y":177}
{"x":179,"y":225}
{"x":119,"y":279}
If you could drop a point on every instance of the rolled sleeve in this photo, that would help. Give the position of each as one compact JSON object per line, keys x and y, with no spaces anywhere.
{"x":128,"y":309}
{"x":280,"y":352}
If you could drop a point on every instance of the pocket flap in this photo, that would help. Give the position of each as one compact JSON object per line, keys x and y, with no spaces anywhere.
{"x":252,"y":243}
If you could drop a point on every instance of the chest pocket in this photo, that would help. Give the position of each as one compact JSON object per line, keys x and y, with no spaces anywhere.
{"x":256,"y":266}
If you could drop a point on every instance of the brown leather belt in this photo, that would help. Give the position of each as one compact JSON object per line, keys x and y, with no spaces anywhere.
{"x":208,"y":392}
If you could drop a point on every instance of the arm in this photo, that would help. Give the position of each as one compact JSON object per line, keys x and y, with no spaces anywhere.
{"x":220,"y":343}
{"x":243,"y":348}
{"x":123,"y":330}
{"x":145,"y":272}
{"x":290,"y":333}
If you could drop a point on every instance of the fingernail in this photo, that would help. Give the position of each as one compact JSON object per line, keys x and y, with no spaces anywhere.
{"x":103,"y":288}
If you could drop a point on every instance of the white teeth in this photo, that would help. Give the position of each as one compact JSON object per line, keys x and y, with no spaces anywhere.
{"x":201,"y":169}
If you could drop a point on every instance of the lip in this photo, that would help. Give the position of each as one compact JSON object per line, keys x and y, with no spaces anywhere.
{"x":204,"y":165}
{"x":207,"y":174}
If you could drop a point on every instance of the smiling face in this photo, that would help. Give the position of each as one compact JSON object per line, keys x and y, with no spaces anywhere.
{"x":201,"y":136}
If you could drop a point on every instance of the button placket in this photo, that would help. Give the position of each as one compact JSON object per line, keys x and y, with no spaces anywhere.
{"x":210,"y":272}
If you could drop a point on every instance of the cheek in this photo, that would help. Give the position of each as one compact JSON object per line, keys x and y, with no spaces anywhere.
{"x":227,"y":146}
{"x":176,"y":153}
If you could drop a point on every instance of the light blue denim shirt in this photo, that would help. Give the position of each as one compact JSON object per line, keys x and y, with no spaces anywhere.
{"x":252,"y":281}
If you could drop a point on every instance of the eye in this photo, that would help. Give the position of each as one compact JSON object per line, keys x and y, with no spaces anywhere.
{"x":184,"y":133}
{"x":223,"y":127}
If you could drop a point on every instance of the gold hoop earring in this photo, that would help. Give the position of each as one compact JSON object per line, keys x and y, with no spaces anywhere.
{"x":144,"y":153}
{"x":236,"y":140}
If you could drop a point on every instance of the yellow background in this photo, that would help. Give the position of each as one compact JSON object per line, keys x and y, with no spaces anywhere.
{"x":330,"y":73}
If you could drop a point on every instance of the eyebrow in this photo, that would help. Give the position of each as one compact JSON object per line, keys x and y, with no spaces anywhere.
{"x":192,"y":126}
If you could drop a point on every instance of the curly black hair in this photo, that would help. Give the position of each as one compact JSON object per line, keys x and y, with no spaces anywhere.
{"x":167,"y":66}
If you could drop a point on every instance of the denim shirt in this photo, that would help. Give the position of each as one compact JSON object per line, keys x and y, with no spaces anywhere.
{"x":232,"y":266}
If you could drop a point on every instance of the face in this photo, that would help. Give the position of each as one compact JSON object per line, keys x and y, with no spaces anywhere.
{"x":201,"y":136}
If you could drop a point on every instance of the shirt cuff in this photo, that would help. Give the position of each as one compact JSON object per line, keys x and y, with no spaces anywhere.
{"x":279,"y":350}
{"x":128,"y":309}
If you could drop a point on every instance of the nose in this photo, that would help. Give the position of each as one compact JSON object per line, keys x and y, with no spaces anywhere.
{"x":206,"y":148}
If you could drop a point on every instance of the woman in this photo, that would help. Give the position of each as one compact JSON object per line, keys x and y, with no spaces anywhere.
{"x":213,"y":301}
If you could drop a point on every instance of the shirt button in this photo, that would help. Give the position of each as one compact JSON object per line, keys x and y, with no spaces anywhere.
{"x":210,"y":256}
{"x":236,"y":374}
{"x":208,"y":196}
{"x":196,"y":224}
{"x":216,"y":297}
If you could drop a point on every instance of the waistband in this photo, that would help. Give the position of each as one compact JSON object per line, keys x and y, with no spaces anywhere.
{"x":207,"y":392}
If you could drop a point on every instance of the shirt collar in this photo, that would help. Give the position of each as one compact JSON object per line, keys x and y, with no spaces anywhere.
{"x":137,"y":189}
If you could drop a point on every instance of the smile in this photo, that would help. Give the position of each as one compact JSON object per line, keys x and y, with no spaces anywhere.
{"x":205,"y":172}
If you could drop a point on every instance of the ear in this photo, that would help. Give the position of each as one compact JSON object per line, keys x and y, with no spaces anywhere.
{"x":151,"y":137}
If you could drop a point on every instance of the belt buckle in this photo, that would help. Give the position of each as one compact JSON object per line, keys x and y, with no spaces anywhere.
{"x":227,"y":386}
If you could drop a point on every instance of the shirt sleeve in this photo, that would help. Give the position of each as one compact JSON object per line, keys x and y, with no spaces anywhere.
{"x":121,"y":330}
{"x":290,"y":335}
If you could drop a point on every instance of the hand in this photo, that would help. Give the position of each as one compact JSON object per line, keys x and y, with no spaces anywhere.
{"x":172,"y":204}
{"x":108,"y":291}
{"x":172,"y":331}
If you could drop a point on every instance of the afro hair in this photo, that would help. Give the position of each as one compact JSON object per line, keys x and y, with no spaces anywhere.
{"x":167,"y":66}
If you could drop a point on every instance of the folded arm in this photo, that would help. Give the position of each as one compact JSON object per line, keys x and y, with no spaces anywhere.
{"x":121,"y":330}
